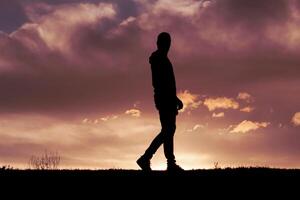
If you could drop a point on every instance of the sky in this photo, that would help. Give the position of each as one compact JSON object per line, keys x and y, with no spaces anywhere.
{"x":75,"y":79}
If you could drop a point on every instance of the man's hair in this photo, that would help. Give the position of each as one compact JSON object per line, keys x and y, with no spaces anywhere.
{"x":163,"y":36}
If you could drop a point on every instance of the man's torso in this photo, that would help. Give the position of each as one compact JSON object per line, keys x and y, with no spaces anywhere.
{"x":163,"y":81}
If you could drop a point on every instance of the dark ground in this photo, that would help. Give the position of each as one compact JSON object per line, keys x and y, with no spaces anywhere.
{"x":120,"y":173}
{"x":226,"y":182}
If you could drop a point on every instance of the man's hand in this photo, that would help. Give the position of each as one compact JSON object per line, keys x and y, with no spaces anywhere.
{"x":179,"y":104}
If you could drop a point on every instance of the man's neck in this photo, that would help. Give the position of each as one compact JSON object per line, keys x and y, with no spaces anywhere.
{"x":164,"y":53}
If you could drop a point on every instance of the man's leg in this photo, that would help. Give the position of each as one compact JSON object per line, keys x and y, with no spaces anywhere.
{"x":168,"y":123}
{"x":155,"y":144}
{"x":144,"y":160}
{"x":166,"y":136}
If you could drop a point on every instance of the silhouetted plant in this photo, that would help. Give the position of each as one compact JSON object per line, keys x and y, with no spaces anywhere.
{"x":6,"y":167}
{"x":48,"y":160}
{"x":216,"y":165}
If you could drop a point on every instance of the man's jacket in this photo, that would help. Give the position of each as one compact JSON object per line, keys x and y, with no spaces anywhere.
{"x":163,"y":81}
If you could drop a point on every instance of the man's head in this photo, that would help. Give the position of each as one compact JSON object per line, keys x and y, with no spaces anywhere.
{"x":163,"y":42}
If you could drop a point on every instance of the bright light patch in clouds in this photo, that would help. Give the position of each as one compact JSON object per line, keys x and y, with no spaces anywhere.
{"x":85,"y":120}
{"x":247,"y":109}
{"x":244,"y":96}
{"x":246,"y":126}
{"x":96,"y":121}
{"x":133,"y":112}
{"x":190,"y":101}
{"x":127,"y":21}
{"x":109,"y":117}
{"x":218,"y":115}
{"x":206,"y":4}
{"x":196,"y":127}
{"x":296,"y":119}
{"x":220,"y":103}
{"x":90,"y":121}
{"x":179,"y":7}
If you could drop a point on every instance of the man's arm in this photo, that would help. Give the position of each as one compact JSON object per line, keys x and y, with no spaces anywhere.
{"x":154,"y":70}
{"x":179,"y":103}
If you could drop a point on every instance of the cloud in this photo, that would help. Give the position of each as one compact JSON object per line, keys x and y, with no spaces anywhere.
{"x":66,"y":66}
{"x":196,"y":127}
{"x":245,"y":96}
{"x":296,"y":119}
{"x":91,"y":121}
{"x":64,"y":56}
{"x":190,"y":101}
{"x":133,"y":112}
{"x":247,"y":109}
{"x":246,"y":126}
{"x":110,"y":117}
{"x":178,"y":7}
{"x":80,"y":145}
{"x":218,"y":115}
{"x":127,"y":21}
{"x":97,"y":120}
{"x":95,"y":51}
{"x":85,"y":120}
{"x":220,"y":103}
{"x":51,"y":21}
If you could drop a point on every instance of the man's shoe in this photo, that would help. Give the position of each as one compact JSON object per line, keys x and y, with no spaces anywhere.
{"x":174,"y":168}
{"x":144,"y":164}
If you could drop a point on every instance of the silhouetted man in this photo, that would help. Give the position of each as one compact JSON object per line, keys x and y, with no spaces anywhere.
{"x":167,"y":103}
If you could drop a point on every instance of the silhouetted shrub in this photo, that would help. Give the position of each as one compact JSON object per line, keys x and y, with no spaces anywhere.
{"x":48,"y":160}
{"x":216,"y":165}
{"x":6,"y":167}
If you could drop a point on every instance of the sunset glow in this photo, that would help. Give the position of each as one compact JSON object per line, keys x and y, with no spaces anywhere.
{"x":75,"y":78}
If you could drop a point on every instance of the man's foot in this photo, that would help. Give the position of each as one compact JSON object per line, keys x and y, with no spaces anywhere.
{"x":174,"y":168}
{"x":144,"y":164}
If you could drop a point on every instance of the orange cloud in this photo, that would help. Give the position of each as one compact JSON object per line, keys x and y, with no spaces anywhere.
{"x":85,"y":120}
{"x":196,"y":127}
{"x":247,"y":109}
{"x":218,"y":115}
{"x":190,"y":101}
{"x":244,"y":96}
{"x":246,"y":126}
{"x":133,"y":112}
{"x":220,"y":102}
{"x":110,"y":117}
{"x":296,"y":119}
{"x":96,"y":121}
